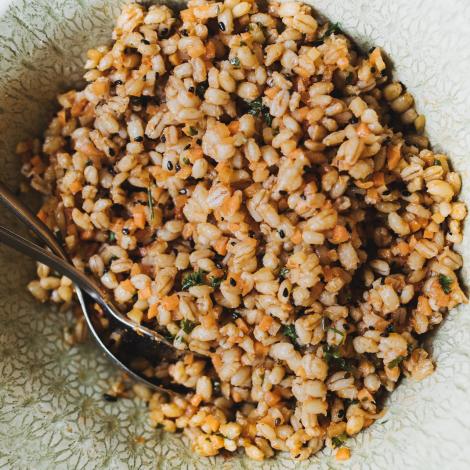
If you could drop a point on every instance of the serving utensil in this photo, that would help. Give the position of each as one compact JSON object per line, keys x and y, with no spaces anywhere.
{"x":137,"y":339}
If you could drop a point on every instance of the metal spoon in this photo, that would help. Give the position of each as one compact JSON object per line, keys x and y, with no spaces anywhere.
{"x":148,"y":342}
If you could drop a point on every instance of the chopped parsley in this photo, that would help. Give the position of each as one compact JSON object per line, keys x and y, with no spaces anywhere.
{"x":201,"y":89}
{"x":343,"y":336}
{"x":446,"y":283}
{"x":395,"y":362}
{"x":338,"y":441}
{"x":334,"y":359}
{"x":283,"y":273}
{"x":150,"y":203}
{"x":187,"y":325}
{"x":192,"y":131}
{"x":289,"y":331}
{"x":437,"y":162}
{"x":333,"y":28}
{"x":235,"y":61}
{"x":257,"y":108}
{"x":215,"y":282}
{"x":195,"y":278}
{"x":111,"y":237}
{"x":186,"y":160}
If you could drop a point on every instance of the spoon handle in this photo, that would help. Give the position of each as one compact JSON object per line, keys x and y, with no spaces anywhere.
{"x":84,"y":282}
{"x":23,"y":213}
{"x":32,"y":250}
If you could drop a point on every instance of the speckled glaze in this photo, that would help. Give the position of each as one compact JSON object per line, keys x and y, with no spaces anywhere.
{"x":52,"y":415}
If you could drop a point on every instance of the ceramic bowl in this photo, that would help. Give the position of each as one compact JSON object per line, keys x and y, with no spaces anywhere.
{"x":52,"y":414}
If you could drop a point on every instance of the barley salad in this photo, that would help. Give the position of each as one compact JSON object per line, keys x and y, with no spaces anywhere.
{"x":244,"y":179}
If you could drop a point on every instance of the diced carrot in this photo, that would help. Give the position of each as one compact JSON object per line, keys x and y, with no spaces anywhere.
{"x":127,"y":285}
{"x":145,"y":293}
{"x":339,"y":235}
{"x":139,"y":216}
{"x":415,"y":226}
{"x":403,"y":248}
{"x":378,"y":178}
{"x":260,"y":349}
{"x":210,"y":50}
{"x":423,"y":306}
{"x":75,"y":187}
{"x":152,"y":311}
{"x":234,"y":126}
{"x":86,"y":235}
{"x":196,"y":400}
{"x":78,"y":107}
{"x":271,"y":92}
{"x":296,"y":237}
{"x":187,"y":16}
{"x":393,"y":156}
{"x":220,"y":246}
{"x":242,"y":325}
{"x":266,"y":323}
{"x":135,"y":269}
{"x":363,"y":130}
{"x":42,"y":215}
{"x":217,"y":361}
{"x":343,"y":453}
{"x":428,"y":234}
{"x":36,"y":160}
{"x":272,"y":398}
{"x":170,"y":302}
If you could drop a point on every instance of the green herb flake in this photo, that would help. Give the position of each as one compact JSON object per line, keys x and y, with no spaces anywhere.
{"x":215,"y":282}
{"x":195,"y":278}
{"x":201,"y":89}
{"x":338,"y":441}
{"x":235,"y":61}
{"x":333,"y":28}
{"x":437,"y":162}
{"x":186,"y":160}
{"x":242,"y":43}
{"x":187,"y":325}
{"x":333,"y":357}
{"x":257,"y":108}
{"x":395,"y":362}
{"x":111,"y":237}
{"x":446,"y":283}
{"x":289,"y":331}
{"x":283,"y":273}
{"x":150,"y":203}
{"x":192,"y":131}
{"x":343,"y":335}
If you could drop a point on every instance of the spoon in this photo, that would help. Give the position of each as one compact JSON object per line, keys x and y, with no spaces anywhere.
{"x":147,"y":342}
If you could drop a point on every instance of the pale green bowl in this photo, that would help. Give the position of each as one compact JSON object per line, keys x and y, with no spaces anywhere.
{"x":52,"y":415}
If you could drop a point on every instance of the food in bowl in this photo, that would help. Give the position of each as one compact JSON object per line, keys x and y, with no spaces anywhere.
{"x":252,"y":184}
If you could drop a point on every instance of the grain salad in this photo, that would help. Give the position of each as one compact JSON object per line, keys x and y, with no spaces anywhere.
{"x":245,"y":180}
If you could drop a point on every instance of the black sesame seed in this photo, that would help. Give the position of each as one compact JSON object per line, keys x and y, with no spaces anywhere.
{"x":406,"y":193}
{"x":108,"y":397}
{"x":303,"y":197}
{"x":191,"y":89}
{"x":118,"y":82}
{"x":373,"y":69}
{"x":282,"y":234}
{"x":285,"y":292}
{"x":346,"y":326}
{"x":386,"y":193}
{"x":177,"y":167}
{"x":252,"y":234}
{"x":169,"y":165}
{"x":341,"y":414}
{"x":111,"y":152}
{"x":125,"y":231}
{"x":184,"y":32}
{"x":144,"y":41}
{"x":354,"y":120}
{"x":199,"y":141}
{"x":222,"y":25}
{"x":282,"y":192}
{"x":277,"y":421}
{"x":139,"y":138}
{"x":219,"y":265}
{"x":183,"y":191}
{"x":233,"y":282}
{"x":163,"y":139}
{"x":187,"y":146}
{"x":163,"y":33}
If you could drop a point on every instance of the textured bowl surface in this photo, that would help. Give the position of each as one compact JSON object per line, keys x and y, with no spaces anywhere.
{"x":52,"y":415}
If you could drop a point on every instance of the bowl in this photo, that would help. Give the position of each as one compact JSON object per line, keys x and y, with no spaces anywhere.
{"x":52,"y":412}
